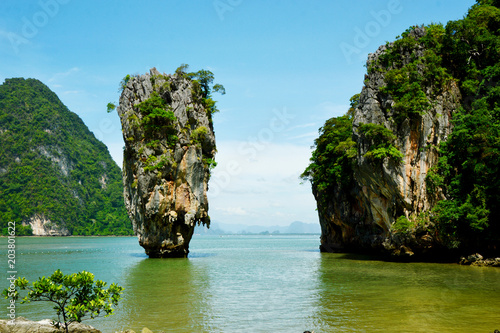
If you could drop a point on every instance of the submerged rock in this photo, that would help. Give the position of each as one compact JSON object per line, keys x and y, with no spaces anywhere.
{"x":169,"y":150}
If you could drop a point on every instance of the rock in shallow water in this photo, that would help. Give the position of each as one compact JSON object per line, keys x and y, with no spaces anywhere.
{"x":478,"y":260}
{"x":169,"y":149}
{"x":22,"y":325}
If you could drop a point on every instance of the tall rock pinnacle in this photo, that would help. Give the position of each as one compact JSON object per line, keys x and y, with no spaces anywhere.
{"x":169,"y":150}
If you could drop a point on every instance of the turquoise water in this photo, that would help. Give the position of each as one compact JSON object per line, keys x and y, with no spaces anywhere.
{"x":267,"y":284}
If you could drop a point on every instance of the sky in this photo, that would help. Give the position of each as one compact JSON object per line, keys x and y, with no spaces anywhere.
{"x":287,"y":67}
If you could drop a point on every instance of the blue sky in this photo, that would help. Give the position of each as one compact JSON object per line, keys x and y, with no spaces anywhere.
{"x":287,"y":66}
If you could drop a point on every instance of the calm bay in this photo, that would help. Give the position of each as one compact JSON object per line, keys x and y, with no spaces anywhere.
{"x":265,"y":283}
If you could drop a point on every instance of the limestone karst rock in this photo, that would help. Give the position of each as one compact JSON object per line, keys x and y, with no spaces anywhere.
{"x":169,"y":150}
{"x":361,"y":216}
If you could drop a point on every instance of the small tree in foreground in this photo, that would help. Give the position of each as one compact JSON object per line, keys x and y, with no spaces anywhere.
{"x":75,"y":296}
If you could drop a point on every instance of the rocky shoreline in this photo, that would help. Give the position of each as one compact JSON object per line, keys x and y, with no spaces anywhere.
{"x":478,"y":260}
{"x":22,"y":325}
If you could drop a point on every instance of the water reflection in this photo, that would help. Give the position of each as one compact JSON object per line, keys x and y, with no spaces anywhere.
{"x":163,"y":295}
{"x":267,"y":290}
{"x":366,"y":295}
{"x":271,"y":284}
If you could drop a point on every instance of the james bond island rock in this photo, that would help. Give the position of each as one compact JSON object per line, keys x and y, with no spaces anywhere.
{"x":169,"y":152}
{"x":401,"y":172}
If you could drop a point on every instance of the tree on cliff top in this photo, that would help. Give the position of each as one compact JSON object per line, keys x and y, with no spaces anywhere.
{"x":203,"y":85}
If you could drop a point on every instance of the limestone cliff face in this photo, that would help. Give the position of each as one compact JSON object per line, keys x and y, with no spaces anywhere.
{"x":42,"y":226}
{"x":166,"y":160}
{"x":362,"y":218}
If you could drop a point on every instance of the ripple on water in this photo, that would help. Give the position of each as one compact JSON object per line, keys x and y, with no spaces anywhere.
{"x":269,"y":284}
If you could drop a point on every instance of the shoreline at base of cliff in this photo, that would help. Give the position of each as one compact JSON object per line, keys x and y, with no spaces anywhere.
{"x":475,"y":259}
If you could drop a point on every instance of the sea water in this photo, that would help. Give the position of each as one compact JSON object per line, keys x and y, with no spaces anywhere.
{"x":265,"y":283}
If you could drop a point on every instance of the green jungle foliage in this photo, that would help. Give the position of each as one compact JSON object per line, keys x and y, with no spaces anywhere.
{"x":332,"y":161}
{"x":381,"y":139}
{"x":406,"y":81}
{"x":52,"y":165}
{"x":402,"y":224}
{"x":74,"y":297}
{"x":466,"y":52}
{"x":469,"y":167}
{"x":157,"y":119}
{"x":203,"y":87}
{"x":199,"y":134}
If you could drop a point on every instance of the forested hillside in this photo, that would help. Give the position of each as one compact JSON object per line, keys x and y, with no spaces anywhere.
{"x":54,"y":174}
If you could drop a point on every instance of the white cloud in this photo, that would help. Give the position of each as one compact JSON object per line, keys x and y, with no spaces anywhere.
{"x":232,"y":210}
{"x":73,"y":92}
{"x":60,"y":76}
{"x":301,"y":126}
{"x":263,"y":182}
{"x":309,"y":135}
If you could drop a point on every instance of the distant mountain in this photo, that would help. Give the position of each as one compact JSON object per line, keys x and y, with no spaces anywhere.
{"x":296,"y":227}
{"x":56,"y":178}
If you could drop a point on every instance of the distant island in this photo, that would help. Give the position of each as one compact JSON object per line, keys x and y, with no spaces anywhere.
{"x":296,"y":227}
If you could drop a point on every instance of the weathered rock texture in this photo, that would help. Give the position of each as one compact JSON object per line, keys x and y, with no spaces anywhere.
{"x":42,"y":226}
{"x":165,"y":179}
{"x":361,"y":218}
{"x":478,"y":260}
{"x":21,"y":325}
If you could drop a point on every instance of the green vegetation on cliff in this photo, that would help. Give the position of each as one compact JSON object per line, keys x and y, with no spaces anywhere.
{"x":156,"y":120}
{"x":466,"y":53}
{"x":52,"y":166}
{"x":469,"y":167}
{"x":381,"y":139}
{"x":332,"y":160}
{"x":169,"y":153}
{"x":203,"y":87}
